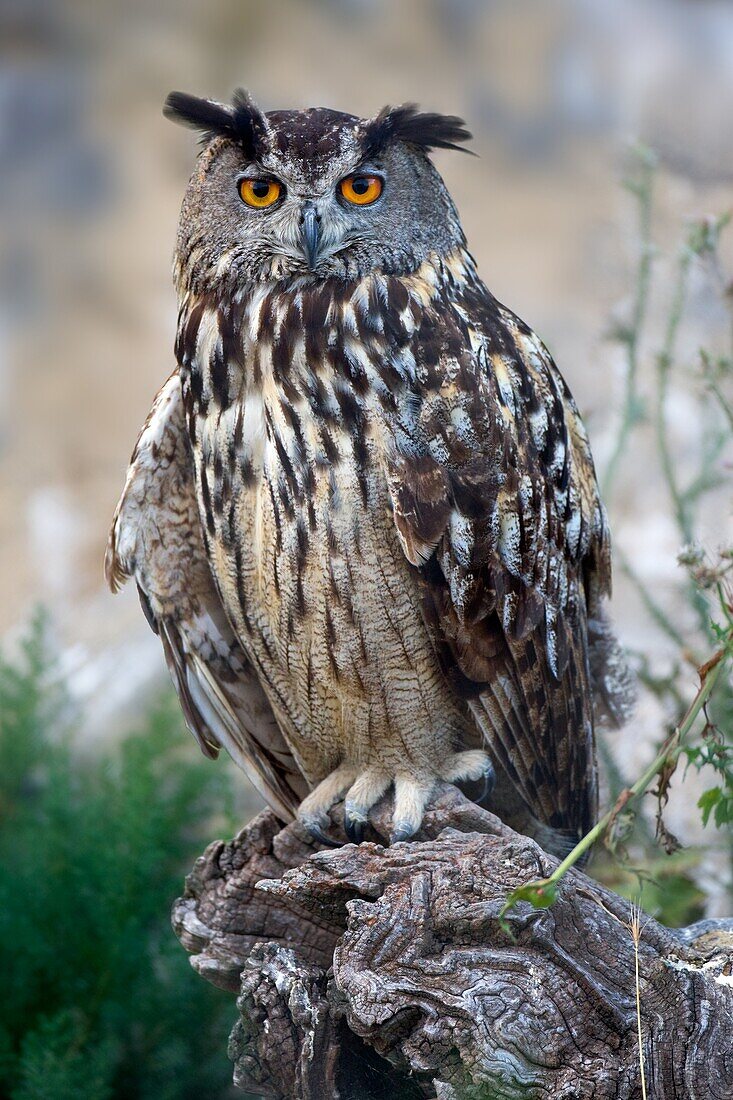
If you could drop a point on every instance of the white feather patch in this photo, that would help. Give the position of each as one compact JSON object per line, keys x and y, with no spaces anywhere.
{"x":509,"y":540}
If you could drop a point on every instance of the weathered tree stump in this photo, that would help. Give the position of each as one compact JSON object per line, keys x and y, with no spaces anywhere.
{"x":372,"y":971}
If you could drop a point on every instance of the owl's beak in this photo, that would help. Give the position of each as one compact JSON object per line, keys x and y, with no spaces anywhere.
{"x":310,"y":232}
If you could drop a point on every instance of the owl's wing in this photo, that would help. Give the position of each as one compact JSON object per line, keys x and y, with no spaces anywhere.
{"x":156,"y":538}
{"x":496,"y":504}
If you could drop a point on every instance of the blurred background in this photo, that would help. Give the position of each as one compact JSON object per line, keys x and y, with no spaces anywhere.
{"x":594,"y":208}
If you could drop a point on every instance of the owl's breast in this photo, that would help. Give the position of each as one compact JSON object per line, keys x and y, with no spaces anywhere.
{"x":295,"y":408}
{"x":299,"y":509}
{"x":307,"y":559}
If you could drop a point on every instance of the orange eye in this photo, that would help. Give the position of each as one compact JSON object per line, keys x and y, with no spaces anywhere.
{"x":260,"y":193}
{"x":361,"y":190}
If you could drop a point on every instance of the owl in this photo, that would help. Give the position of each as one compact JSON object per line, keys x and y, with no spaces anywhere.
{"x":362,"y":515}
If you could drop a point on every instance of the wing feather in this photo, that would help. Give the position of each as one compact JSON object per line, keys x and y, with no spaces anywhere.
{"x":496,"y":504}
{"x":156,"y":538}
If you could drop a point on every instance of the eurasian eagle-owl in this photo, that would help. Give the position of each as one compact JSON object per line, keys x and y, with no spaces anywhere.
{"x":362,"y":514}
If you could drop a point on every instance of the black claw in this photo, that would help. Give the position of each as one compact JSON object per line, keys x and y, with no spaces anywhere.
{"x":489,"y":783}
{"x":318,"y":834}
{"x":354,"y":828}
{"x":401,"y":831}
{"x":476,"y":793}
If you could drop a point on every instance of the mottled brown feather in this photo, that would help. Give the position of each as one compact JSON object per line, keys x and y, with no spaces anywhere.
{"x":157,"y":539}
{"x":518,"y":530}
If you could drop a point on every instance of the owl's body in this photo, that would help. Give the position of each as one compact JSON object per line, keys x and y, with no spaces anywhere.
{"x":302,"y":539}
{"x":374,"y":493}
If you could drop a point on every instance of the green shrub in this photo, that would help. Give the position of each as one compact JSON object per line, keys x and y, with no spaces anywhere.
{"x":98,"y":998}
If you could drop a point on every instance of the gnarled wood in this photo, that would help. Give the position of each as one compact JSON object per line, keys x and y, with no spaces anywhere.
{"x":375,"y":971}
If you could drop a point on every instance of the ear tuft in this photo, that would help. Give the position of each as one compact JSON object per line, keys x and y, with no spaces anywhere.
{"x":249,"y":122}
{"x":407,"y":123}
{"x":199,"y":114}
{"x":242,"y":121}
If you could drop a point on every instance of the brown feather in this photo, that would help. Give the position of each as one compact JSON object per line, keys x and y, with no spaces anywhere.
{"x":524,"y":531}
{"x":156,"y":537}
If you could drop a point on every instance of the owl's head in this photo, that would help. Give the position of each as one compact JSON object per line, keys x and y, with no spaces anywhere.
{"x":303,"y":195}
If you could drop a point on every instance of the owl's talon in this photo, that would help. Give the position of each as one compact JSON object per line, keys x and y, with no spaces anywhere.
{"x":402,"y":830}
{"x":489,"y":782}
{"x":354,"y":827}
{"x":318,"y":834}
{"x":365,"y":792}
{"x":316,"y":827}
{"x":471,"y":766}
{"x":313,"y":813}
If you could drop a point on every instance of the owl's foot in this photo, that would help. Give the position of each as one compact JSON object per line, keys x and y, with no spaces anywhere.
{"x":472,"y":766}
{"x":313,"y":811}
{"x":363,"y":789}
{"x":364,"y":793}
{"x":412,"y":795}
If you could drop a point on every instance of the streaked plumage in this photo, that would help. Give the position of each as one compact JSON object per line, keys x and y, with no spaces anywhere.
{"x":363,"y":514}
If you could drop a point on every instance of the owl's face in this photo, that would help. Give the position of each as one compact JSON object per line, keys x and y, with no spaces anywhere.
{"x":307,"y":195}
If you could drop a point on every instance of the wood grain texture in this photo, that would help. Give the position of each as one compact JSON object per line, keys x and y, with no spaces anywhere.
{"x":377,"y":971}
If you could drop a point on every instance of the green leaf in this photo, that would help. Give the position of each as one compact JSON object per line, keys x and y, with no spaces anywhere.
{"x":541,"y":894}
{"x":723,"y":814}
{"x":707,"y":801}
